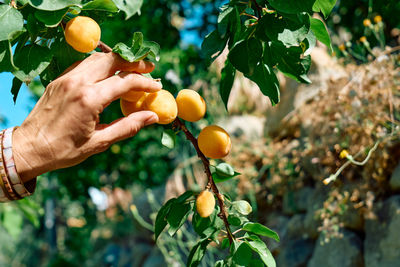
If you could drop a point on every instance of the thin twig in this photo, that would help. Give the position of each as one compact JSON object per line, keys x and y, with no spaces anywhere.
{"x":103,"y":47}
{"x":13,"y":4}
{"x":258,"y":8}
{"x":211,"y":184}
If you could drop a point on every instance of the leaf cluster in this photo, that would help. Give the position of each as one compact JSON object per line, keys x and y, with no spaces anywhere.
{"x":247,"y":249}
{"x":32,"y":39}
{"x":265,"y":36}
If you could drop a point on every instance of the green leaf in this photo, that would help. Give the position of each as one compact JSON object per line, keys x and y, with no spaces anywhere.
{"x":11,"y":22}
{"x":256,"y":263}
{"x":234,"y":220}
{"x":309,"y":43}
{"x":168,"y":138}
{"x":223,"y":172}
{"x":161,"y":221}
{"x":227,"y":78}
{"x":290,"y":30}
{"x":207,"y":227}
{"x":224,"y":169}
{"x":32,"y":60}
{"x":139,"y":49}
{"x":319,"y":29}
{"x":64,"y":57}
{"x":185,"y":196}
{"x":261,"y":249}
{"x":292,"y":6}
{"x":101,"y":5}
{"x":124,"y":51}
{"x":178,"y":217}
{"x":225,"y":243}
{"x":130,"y":7}
{"x":260,"y":229}
{"x":245,"y":54}
{"x":197,"y":253}
{"x":223,"y":20}
{"x":266,"y":80}
{"x":324,"y":6}
{"x":218,"y":178}
{"x":219,"y":263}
{"x":52,"y":5}
{"x":243,"y":254}
{"x":291,"y":63}
{"x":51,"y":18}
{"x":242,"y":206}
{"x":212,"y":46}
{"x":6,"y":58}
{"x":16,"y":85}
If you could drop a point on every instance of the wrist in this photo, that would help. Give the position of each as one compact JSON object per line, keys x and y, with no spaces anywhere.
{"x":28,"y":162}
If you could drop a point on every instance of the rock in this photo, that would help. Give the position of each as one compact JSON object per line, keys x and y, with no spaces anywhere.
{"x":311,"y":221}
{"x":297,"y":201}
{"x":295,"y":227}
{"x":395,"y":179}
{"x":278,"y":223}
{"x":382,"y":235}
{"x":295,"y":253}
{"x":248,"y":125}
{"x":344,"y":252}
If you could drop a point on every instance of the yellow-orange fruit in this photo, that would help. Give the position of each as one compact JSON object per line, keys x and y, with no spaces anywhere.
{"x":163,"y":104}
{"x":82,"y":33}
{"x":214,"y":142}
{"x":128,"y":107}
{"x":191,"y":106}
{"x":134,"y":96}
{"x":205,"y":203}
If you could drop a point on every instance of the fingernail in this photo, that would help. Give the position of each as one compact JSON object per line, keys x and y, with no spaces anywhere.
{"x":152,"y":119}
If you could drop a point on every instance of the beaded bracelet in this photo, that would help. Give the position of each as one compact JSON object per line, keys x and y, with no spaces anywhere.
{"x":11,"y":184}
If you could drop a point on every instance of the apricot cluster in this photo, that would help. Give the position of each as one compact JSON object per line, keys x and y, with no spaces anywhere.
{"x":214,"y":142}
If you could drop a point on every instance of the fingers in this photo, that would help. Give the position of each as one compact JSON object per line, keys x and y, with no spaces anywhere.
{"x":100,"y":66}
{"x":123,"y":128}
{"x":117,"y":85}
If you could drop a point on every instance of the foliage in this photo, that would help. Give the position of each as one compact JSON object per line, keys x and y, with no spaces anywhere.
{"x":308,"y":149}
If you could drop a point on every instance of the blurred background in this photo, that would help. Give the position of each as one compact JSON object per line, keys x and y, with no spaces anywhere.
{"x":101,"y":212}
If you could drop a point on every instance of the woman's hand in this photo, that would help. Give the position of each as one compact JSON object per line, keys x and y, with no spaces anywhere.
{"x":62,"y":130}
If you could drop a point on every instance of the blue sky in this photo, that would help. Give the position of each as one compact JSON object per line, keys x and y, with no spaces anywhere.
{"x":15,"y":114}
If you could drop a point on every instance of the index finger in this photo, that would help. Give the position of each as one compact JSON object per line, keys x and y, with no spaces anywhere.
{"x":100,"y":66}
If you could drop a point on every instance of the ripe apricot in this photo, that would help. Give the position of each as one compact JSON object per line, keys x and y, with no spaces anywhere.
{"x":191,"y":106}
{"x":163,"y":104}
{"x":134,"y":96}
{"x":128,"y":107}
{"x":214,"y":142}
{"x":205,"y":203}
{"x":82,"y":33}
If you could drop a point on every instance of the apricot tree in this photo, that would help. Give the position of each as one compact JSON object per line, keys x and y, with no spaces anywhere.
{"x":43,"y":38}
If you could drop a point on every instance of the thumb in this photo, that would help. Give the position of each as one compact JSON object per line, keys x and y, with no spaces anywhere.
{"x":125,"y":127}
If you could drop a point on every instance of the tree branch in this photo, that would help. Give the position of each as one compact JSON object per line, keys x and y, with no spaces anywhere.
{"x":258,"y":7}
{"x":211,"y":184}
{"x":103,"y":47}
